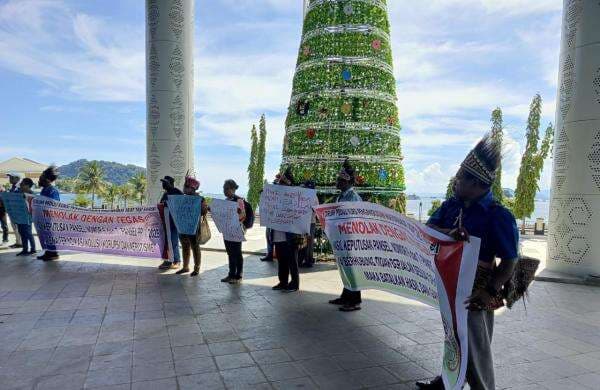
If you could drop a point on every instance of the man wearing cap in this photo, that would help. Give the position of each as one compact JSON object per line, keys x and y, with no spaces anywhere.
{"x":349,"y":300}
{"x":14,"y":178}
{"x":168,"y":184}
{"x":474,"y":211}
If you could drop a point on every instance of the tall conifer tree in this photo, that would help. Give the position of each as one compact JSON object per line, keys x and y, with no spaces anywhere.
{"x":261,"y":153}
{"x":498,"y":135}
{"x":532,"y":162}
{"x":253,"y":191}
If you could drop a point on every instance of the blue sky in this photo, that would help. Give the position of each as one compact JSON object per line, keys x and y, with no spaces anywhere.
{"x":72,"y":80}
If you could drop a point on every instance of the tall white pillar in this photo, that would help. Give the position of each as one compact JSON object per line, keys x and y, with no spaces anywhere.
{"x":574,"y":239}
{"x":305,"y":7}
{"x":169,"y":92}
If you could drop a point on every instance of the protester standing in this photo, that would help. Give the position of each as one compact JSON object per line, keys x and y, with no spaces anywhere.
{"x":473,"y":210}
{"x":168,"y":185}
{"x":234,"y":249}
{"x":45,"y":181}
{"x":14,"y":178}
{"x":191,"y":243}
{"x":286,"y":246}
{"x":25,"y":229}
{"x":349,"y":300}
{"x":3,"y":221}
{"x":306,"y":256}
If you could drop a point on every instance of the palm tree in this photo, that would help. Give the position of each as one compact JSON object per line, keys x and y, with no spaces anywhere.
{"x":111,"y":194}
{"x":139,"y":184}
{"x":127,"y":193}
{"x":91,"y":179}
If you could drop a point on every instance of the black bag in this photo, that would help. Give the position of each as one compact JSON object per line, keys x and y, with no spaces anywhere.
{"x":249,"y":221}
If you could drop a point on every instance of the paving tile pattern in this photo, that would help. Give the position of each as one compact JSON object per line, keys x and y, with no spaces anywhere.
{"x":106,"y":323}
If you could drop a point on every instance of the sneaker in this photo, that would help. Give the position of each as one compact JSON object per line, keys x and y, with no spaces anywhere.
{"x":165,"y":265}
{"x":22,"y":253}
{"x":226,"y":280}
{"x":15,"y":246}
{"x":33,"y":252}
{"x":47,"y":257}
{"x":279,"y":287}
{"x":290,"y":289}
{"x":182,"y":271}
{"x":266,"y":258}
{"x":350,"y":307}
{"x":337,"y":301}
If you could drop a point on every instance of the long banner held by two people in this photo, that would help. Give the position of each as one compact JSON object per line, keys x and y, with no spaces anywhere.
{"x":378,"y":248}
{"x":134,"y":232}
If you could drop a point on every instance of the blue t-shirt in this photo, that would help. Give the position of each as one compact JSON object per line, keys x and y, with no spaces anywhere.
{"x":486,"y":219}
{"x":50,"y":192}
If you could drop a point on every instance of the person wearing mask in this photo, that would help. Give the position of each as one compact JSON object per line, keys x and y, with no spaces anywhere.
{"x":474,"y":211}
{"x":190,"y":244}
{"x":168,"y":185}
{"x":25,"y":230}
{"x":3,"y":221}
{"x":46,"y":181}
{"x":349,"y":300}
{"x":234,"y":249}
{"x":286,"y":246}
{"x":14,"y":178}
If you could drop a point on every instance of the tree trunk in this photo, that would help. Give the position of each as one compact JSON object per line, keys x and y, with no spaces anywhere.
{"x":523,"y":226}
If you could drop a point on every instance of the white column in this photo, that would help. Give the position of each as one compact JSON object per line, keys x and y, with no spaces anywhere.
{"x":169,"y":91}
{"x":574,"y":239}
{"x":305,"y":7}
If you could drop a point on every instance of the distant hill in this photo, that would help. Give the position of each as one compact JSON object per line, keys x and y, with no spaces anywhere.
{"x":113,"y":172}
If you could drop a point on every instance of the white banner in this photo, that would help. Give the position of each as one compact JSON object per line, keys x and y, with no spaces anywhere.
{"x":225,"y":216}
{"x":287,"y":209}
{"x":378,"y":248}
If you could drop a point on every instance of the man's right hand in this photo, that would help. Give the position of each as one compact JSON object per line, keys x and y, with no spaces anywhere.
{"x":460,"y":234}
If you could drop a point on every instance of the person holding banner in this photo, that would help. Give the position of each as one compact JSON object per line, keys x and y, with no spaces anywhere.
{"x":45,"y":181}
{"x":349,"y":300}
{"x":190,"y":244}
{"x":14,"y":178}
{"x":25,"y":228}
{"x":474,"y":211}
{"x":168,"y":185}
{"x":286,"y":246}
{"x":234,"y":248}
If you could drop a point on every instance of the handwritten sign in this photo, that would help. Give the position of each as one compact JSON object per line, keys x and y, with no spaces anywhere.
{"x":225,"y":215}
{"x":136,"y":232}
{"x":287,"y":209}
{"x":16,"y":207}
{"x":378,"y":248}
{"x":185,"y":210}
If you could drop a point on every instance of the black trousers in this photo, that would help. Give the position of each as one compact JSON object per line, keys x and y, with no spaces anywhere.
{"x":4,"y":225}
{"x":236,"y":259}
{"x":351,"y":297}
{"x":287,"y":261}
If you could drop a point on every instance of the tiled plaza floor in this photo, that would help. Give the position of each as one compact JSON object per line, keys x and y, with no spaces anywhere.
{"x":113,"y":323}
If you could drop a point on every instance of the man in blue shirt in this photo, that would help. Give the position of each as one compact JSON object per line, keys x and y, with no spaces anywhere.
{"x":48,"y":177}
{"x":14,"y":178}
{"x":474,"y":211}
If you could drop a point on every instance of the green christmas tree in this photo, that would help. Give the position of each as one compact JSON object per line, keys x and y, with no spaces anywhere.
{"x":343,"y":103}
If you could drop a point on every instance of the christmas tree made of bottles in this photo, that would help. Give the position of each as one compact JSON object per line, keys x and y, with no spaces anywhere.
{"x":343,"y":103}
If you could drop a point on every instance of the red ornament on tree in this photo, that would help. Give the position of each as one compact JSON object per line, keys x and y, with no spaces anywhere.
{"x":376,"y":44}
{"x":360,"y":180}
{"x":310,"y":133}
{"x":391,"y":120}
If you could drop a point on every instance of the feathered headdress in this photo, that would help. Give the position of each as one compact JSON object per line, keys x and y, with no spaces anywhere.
{"x":50,"y":173}
{"x":191,"y":181}
{"x":483,"y":161}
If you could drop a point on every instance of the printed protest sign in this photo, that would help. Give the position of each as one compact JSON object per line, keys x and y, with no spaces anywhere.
{"x":185,"y":210}
{"x":287,"y":209}
{"x":16,"y":207}
{"x":225,"y":216}
{"x":378,"y":248}
{"x":136,"y":232}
